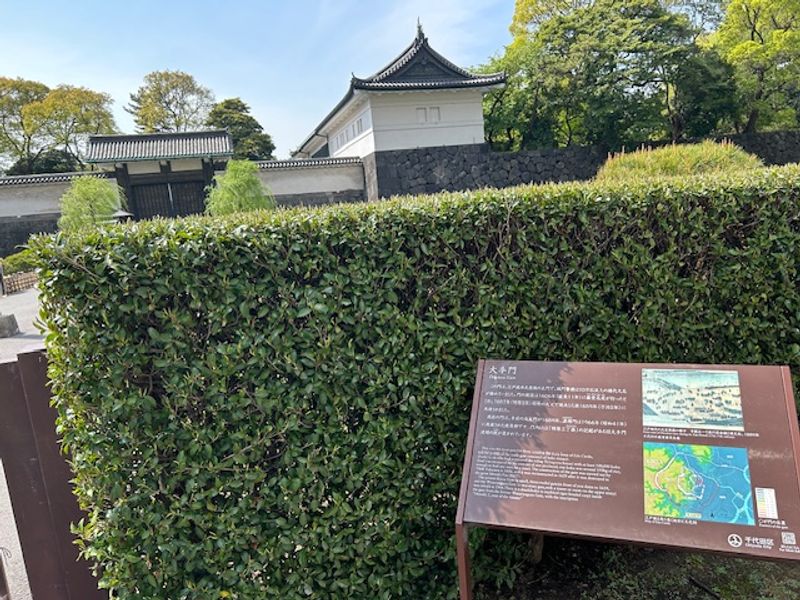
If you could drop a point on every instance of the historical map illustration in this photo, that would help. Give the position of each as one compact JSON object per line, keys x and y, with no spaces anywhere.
{"x":705,"y":483}
{"x":696,"y":399}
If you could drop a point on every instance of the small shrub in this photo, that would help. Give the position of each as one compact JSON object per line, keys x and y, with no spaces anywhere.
{"x":89,"y":201}
{"x":675,"y":160}
{"x":238,"y":189}
{"x":20,"y":262}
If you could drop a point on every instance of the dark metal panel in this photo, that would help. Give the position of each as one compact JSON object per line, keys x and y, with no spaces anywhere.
{"x":28,"y":496}
{"x":56,"y":475}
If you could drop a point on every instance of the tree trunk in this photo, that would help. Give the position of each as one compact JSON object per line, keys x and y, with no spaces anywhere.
{"x":752,"y":121}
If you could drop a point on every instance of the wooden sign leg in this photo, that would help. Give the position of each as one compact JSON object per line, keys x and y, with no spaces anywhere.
{"x":464,"y":567}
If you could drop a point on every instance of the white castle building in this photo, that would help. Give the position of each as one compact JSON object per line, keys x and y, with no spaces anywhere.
{"x":420,"y":99}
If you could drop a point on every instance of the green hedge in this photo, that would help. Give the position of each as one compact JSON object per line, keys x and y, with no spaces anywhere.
{"x":20,"y":262}
{"x":275,"y":405}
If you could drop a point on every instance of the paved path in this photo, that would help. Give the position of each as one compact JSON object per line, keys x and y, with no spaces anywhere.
{"x":25,"y":307}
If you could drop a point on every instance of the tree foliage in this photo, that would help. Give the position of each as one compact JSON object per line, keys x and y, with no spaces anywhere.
{"x":603,"y":73}
{"x":170,"y":101}
{"x":68,"y":115}
{"x":530,"y":14}
{"x":617,"y":73}
{"x":249,"y":140}
{"x":19,"y":137}
{"x":702,"y":96}
{"x":89,"y":201}
{"x":49,"y":161}
{"x":761,"y":40}
{"x":37,"y":123}
{"x":238,"y":189}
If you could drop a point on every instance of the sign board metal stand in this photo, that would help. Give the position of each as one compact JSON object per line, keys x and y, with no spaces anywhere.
{"x":462,"y":532}
{"x":699,"y":457}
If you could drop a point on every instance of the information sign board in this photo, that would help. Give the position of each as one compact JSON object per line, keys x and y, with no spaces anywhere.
{"x":701,"y":457}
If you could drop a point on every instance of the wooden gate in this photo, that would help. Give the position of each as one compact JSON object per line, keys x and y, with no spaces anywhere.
{"x":37,"y":481}
{"x":171,"y":199}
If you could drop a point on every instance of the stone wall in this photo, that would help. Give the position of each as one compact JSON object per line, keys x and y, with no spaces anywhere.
{"x":427,"y":170}
{"x":15,"y":231}
{"x":452,"y":168}
{"x":773,"y":147}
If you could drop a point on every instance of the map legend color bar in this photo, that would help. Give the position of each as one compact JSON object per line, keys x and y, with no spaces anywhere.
{"x":766,"y":505}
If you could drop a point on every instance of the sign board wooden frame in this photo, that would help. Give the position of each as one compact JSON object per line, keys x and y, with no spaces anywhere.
{"x":700,"y":457}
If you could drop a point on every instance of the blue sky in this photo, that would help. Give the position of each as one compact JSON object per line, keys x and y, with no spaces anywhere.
{"x":290,"y":61}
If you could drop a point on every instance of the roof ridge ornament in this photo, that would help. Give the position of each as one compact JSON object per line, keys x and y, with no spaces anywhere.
{"x":420,"y":33}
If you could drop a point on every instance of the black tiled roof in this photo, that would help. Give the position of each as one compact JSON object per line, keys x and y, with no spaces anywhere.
{"x":159,"y":146}
{"x":419,"y":67}
{"x":50,"y":178}
{"x":309,"y":163}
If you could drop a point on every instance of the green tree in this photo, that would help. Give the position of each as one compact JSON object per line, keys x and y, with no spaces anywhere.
{"x":249,"y":140}
{"x":68,"y":115}
{"x":170,"y":101}
{"x":49,"y":161}
{"x":238,"y":189}
{"x":530,"y":14}
{"x":89,"y":201}
{"x":521,"y":114}
{"x":600,"y":73}
{"x":37,"y":123}
{"x":702,"y":96}
{"x":607,"y":72}
{"x":20,"y":137}
{"x":761,"y":40}
{"x":705,"y":15}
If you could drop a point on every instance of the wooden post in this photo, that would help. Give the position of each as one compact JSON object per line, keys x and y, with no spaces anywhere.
{"x":464,"y":566}
{"x":462,"y":536}
{"x":124,"y":181}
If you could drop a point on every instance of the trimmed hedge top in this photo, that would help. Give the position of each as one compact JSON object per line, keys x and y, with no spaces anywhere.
{"x":275,"y":405}
{"x":20,"y":262}
{"x":678,"y":160}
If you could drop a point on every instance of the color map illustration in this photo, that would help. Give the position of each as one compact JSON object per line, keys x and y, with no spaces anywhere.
{"x":705,"y":483}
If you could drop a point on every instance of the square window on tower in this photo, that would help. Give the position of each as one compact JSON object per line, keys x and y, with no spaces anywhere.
{"x":433,"y":114}
{"x":422,"y":116}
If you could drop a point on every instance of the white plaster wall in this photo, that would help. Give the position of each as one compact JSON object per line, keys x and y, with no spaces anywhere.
{"x":352,"y":142}
{"x":186,"y":164}
{"x":361,"y":146}
{"x":311,"y":180}
{"x":142,"y":167}
{"x":395,"y":121}
{"x":10,"y":548}
{"x":19,"y":200}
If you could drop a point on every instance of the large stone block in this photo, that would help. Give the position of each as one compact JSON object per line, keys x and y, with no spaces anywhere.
{"x":8,"y":326}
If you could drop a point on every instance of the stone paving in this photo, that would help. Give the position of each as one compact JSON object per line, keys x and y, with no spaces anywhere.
{"x":25,"y":307}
